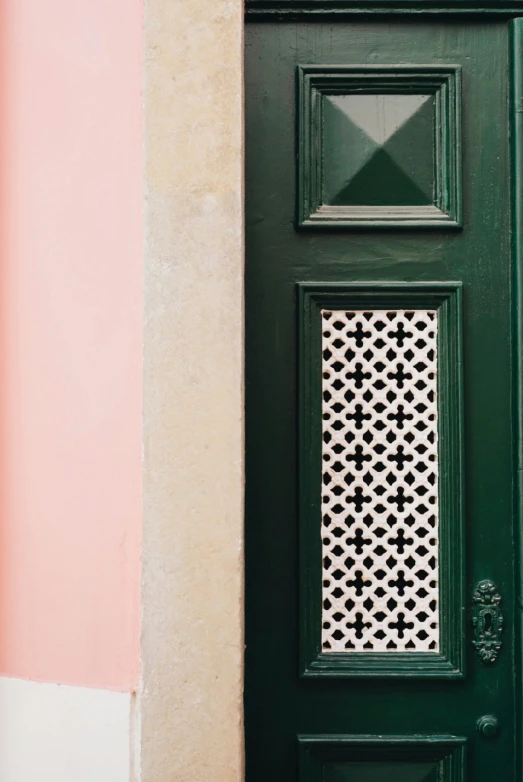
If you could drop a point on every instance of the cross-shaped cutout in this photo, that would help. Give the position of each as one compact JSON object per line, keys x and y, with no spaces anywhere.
{"x":358,"y":583}
{"x":359,"y":416}
{"x":401,"y":541}
{"x":401,"y":625}
{"x":358,"y":541}
{"x":400,"y":376}
{"x":400,"y":499}
{"x":359,"y":335}
{"x":359,"y":457}
{"x":358,"y":499}
{"x":400,"y":457}
{"x":400,"y":334}
{"x":359,"y":376}
{"x":400,"y":583}
{"x":359,"y":625}
{"x":400,"y":417}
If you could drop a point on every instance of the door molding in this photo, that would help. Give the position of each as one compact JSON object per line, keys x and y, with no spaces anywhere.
{"x":298,"y":8}
{"x":516,"y":123}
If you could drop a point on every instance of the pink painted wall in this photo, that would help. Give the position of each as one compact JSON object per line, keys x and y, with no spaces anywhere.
{"x":70,"y":340}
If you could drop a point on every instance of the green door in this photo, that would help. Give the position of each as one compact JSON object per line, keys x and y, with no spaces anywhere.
{"x":382,"y":417}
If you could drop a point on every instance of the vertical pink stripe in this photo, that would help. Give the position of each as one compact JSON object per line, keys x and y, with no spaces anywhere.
{"x":70,"y":353}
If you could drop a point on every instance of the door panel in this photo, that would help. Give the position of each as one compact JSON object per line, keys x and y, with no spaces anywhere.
{"x":378,"y":248}
{"x":370,"y":759}
{"x":379,"y":146}
{"x":381,"y":529}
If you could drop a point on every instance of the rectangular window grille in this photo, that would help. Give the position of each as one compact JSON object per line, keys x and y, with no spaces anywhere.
{"x":380,"y":481}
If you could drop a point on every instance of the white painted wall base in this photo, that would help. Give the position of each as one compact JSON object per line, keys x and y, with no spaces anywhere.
{"x":57,"y":733}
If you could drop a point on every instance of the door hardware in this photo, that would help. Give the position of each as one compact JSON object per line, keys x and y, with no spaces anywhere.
{"x":488,"y":726}
{"x":487,"y":621}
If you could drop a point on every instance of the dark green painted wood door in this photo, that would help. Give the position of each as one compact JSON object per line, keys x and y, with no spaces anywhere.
{"x":380,"y":511}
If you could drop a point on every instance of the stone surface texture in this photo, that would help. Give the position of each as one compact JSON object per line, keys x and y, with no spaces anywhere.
{"x":192,"y":644}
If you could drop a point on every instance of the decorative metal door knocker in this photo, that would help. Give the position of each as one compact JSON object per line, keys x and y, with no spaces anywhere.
{"x":487,"y":621}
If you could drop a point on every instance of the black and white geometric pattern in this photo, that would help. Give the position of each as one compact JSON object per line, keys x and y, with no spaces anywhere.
{"x":380,"y":481}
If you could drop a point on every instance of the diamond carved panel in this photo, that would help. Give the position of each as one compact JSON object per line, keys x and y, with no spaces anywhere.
{"x":380,"y":481}
{"x":379,"y":146}
{"x":368,"y":154}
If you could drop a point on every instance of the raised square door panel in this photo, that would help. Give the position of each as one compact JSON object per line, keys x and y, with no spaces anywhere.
{"x":381,"y":513}
{"x":379,"y":146}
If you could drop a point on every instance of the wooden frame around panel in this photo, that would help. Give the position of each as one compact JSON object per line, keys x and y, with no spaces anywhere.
{"x":315,"y":752}
{"x":445,"y":297}
{"x":441,"y":81}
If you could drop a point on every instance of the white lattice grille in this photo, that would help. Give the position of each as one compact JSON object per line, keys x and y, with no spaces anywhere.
{"x":380,"y":481}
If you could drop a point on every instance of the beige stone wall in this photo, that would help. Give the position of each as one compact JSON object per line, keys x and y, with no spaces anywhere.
{"x":192,"y":644}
